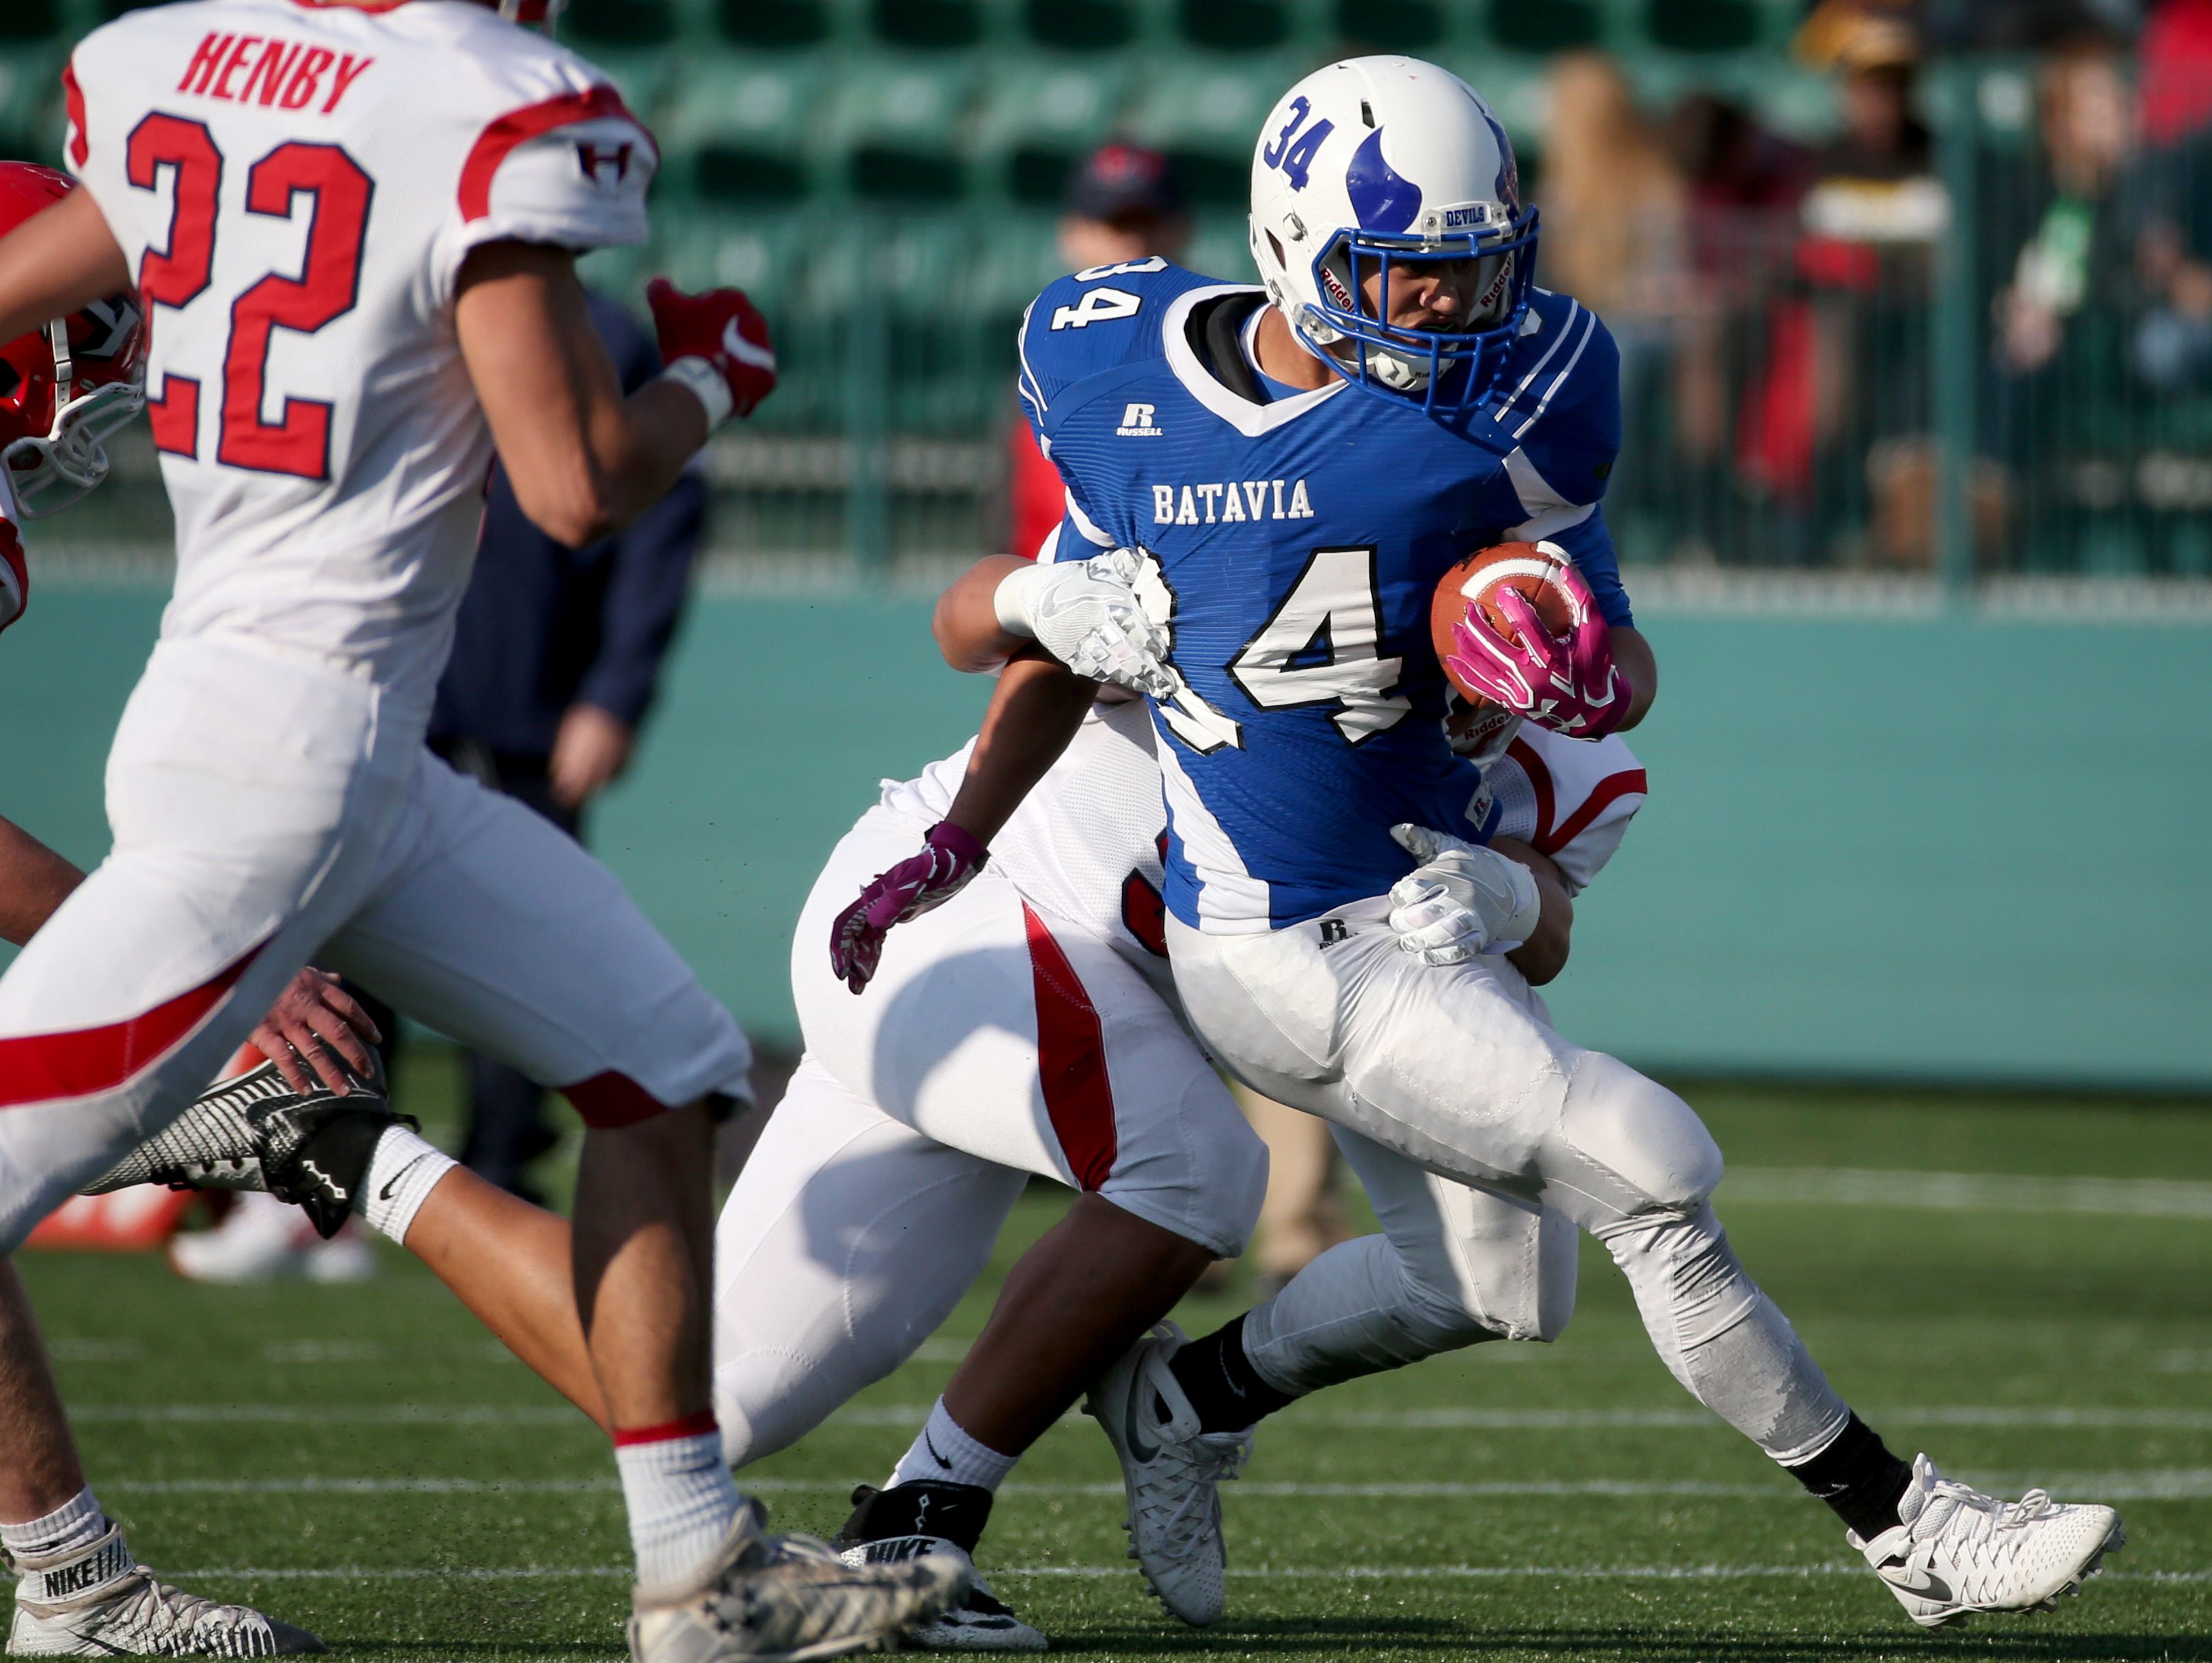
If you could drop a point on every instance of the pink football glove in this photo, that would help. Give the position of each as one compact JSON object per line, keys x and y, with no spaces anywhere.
{"x":949,"y":858}
{"x":720,"y":333}
{"x":1566,"y":683}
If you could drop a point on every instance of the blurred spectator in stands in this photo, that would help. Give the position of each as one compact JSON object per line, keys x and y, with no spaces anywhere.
{"x":1744,"y":186}
{"x":2073,"y":251}
{"x":1613,"y":200}
{"x":1836,"y":433}
{"x":2175,"y":73}
{"x":1615,"y":238}
{"x":557,"y":658}
{"x":2172,"y":348}
{"x":1123,"y":202}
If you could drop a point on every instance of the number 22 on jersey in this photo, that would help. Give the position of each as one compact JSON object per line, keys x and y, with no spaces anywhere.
{"x":297,"y":176}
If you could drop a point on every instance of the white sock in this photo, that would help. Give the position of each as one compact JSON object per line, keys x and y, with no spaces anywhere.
{"x":402,"y":1173}
{"x":680,"y":1496}
{"x":946,"y":1455}
{"x":77,"y":1523}
{"x":61,"y":1556}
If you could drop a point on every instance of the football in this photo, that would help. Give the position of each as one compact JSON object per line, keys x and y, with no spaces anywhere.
{"x":1475,"y":585}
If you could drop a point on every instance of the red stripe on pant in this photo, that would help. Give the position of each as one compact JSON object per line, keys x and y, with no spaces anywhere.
{"x":1072,"y":1060}
{"x":39,"y":1068}
{"x":609,"y":1100}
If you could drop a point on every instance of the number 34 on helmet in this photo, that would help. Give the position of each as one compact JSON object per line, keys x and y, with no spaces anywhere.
{"x":1374,"y":164}
{"x":63,"y":389}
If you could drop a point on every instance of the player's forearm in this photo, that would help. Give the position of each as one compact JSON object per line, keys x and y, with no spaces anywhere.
{"x":56,"y":262}
{"x":33,"y":882}
{"x":1544,"y":953}
{"x":1033,"y":715}
{"x":584,"y":460}
{"x":1636,"y":662}
{"x":966,"y":623}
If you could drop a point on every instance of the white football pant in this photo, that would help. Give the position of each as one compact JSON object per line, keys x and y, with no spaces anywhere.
{"x":267,"y":809}
{"x":995,"y":1043}
{"x":1455,"y":1074}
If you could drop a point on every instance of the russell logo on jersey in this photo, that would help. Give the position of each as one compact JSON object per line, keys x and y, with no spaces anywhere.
{"x":1229,"y":503}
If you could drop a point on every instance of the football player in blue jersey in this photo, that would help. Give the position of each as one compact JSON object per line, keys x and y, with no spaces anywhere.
{"x":1278,"y":478}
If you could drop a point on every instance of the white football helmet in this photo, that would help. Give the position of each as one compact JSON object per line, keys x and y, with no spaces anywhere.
{"x":1376,"y":160}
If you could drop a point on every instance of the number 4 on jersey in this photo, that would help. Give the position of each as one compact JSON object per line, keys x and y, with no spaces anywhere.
{"x":1324,"y":645}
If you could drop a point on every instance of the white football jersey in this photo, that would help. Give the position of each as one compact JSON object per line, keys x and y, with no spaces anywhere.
{"x":1085,"y":844}
{"x":296,"y":186}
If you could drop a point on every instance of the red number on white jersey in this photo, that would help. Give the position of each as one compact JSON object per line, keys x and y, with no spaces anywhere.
{"x":329,"y":285}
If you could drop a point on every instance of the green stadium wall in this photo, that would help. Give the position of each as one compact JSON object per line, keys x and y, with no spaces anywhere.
{"x":1875,"y":847}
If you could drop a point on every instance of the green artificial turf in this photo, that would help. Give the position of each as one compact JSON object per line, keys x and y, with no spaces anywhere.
{"x":365,"y":1461}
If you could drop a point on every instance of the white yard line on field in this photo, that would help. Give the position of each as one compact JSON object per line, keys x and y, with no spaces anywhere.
{"x":1393,"y":1420}
{"x":1964,"y":1191}
{"x":2148,"y":1483}
{"x":1254,"y":1573}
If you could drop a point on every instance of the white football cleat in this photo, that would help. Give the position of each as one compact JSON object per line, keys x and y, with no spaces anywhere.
{"x":787,"y":1598}
{"x":263,"y":1239}
{"x":979,"y":1623}
{"x":1172,"y":1472}
{"x":1958,"y":1551}
{"x":101,"y":1602}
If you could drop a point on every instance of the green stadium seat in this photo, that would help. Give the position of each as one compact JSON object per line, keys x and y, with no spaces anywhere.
{"x":30,"y":19}
{"x":899,"y":122}
{"x":31,"y":104}
{"x":1388,"y":26}
{"x":1221,"y":247}
{"x":1704,"y":26}
{"x":1545,"y":26}
{"x":1206,"y":113}
{"x":764,"y":254}
{"x":774,"y":25}
{"x":1041,"y":114}
{"x":1081,"y":25}
{"x":738,"y":130}
{"x":619,"y":23}
{"x":1235,"y":26}
{"x":929,"y":24}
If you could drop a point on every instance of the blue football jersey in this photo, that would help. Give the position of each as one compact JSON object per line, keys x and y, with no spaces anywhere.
{"x":1295,"y":545}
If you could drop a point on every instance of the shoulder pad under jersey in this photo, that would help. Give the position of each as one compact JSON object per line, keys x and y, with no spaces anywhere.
{"x":1095,"y":321}
{"x":1562,"y":406}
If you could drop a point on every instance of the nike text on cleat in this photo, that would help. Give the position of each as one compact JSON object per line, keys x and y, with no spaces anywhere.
{"x":255,"y":1132}
{"x":980,"y":1622}
{"x":1956,"y":1551}
{"x":99,"y":1602}
{"x":784,"y":1599}
{"x":1171,"y":1472}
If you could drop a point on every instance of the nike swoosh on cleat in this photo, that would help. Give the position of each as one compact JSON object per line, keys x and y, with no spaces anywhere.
{"x":1929,"y":1586}
{"x":1131,"y":1427}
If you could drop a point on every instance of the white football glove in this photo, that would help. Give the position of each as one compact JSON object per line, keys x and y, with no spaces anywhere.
{"x":1086,"y":614}
{"x":1462,"y":900}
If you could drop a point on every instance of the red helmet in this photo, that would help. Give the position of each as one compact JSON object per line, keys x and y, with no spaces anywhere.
{"x":63,"y":389}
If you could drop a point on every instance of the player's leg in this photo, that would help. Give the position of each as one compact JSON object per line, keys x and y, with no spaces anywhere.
{"x":996,"y":1029}
{"x":1456,"y":1068}
{"x":224,"y":876}
{"x":507,"y":935}
{"x":1303,"y":1216}
{"x":79,"y":1588}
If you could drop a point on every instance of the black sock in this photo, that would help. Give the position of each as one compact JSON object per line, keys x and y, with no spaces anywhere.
{"x":1221,"y":1383}
{"x":952,"y":1513}
{"x":1858,"y":1476}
